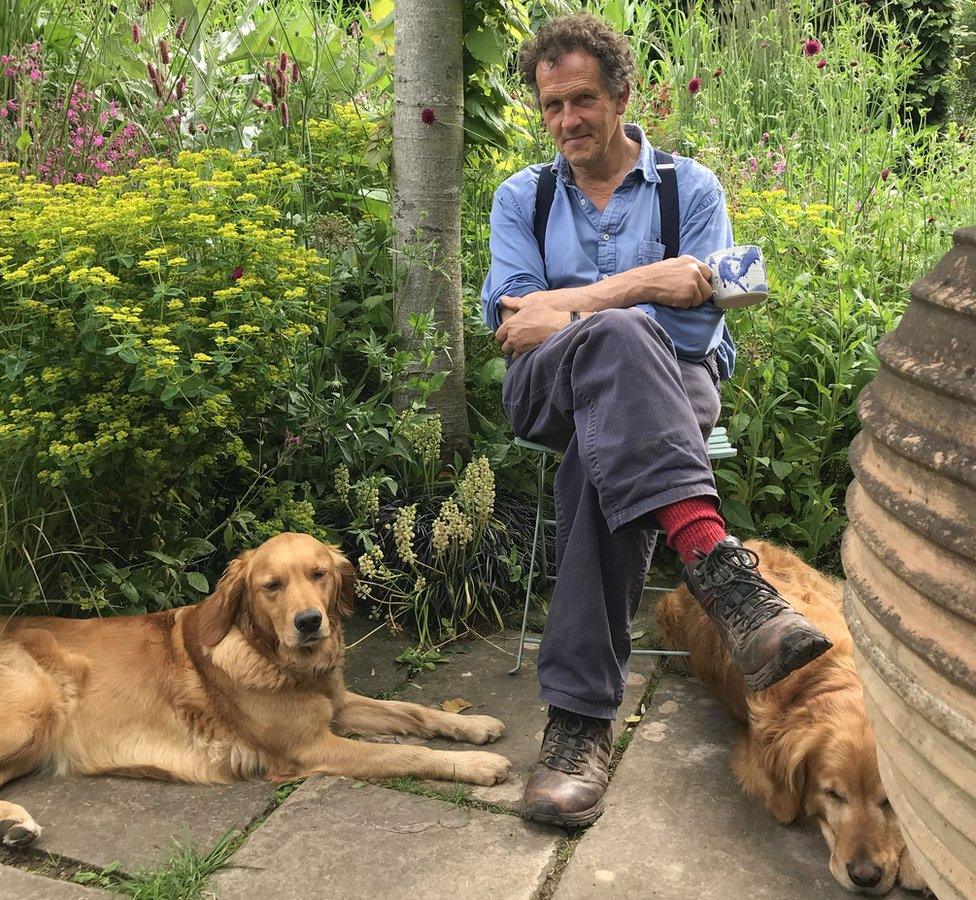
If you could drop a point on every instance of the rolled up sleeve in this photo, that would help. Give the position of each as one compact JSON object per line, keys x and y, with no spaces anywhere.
{"x":516,"y":264}
{"x":707,"y":227}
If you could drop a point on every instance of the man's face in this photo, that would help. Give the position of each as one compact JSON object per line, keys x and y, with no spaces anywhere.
{"x":577,"y":109}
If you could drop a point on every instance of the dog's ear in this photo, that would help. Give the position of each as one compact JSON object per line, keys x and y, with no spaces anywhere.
{"x":347,"y":582}
{"x":771,"y":764}
{"x":217,"y":614}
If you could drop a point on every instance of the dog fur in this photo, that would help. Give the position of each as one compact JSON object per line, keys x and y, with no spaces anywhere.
{"x":224,"y":690}
{"x":810,"y":751}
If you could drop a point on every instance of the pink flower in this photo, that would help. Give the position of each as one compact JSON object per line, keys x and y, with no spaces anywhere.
{"x":136,"y":33}
{"x":164,"y":51}
{"x":295,"y":73}
{"x":181,"y":28}
{"x":821,"y":63}
{"x":753,"y":164}
{"x":694,"y":86}
{"x":779,"y":167}
{"x":181,"y":87}
{"x":427,"y":116}
{"x":811,"y":47}
{"x":238,"y":273}
{"x":283,"y":62}
{"x":764,"y":139}
{"x":34,"y":75}
{"x":285,"y":117}
{"x":857,"y":206}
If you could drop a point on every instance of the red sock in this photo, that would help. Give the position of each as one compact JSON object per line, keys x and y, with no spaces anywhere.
{"x":692,"y":524}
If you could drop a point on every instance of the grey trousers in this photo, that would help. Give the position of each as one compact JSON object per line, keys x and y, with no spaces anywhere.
{"x":631,"y":422}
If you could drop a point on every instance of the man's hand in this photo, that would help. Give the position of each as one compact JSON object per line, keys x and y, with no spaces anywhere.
{"x":681,"y":282}
{"x":527,"y":323}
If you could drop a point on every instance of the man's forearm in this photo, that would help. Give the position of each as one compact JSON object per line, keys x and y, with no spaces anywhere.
{"x":616,"y":292}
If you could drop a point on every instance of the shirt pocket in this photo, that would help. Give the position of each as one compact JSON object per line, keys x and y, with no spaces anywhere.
{"x":649,"y":252}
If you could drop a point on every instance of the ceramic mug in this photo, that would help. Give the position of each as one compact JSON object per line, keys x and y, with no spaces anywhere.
{"x":738,"y":276}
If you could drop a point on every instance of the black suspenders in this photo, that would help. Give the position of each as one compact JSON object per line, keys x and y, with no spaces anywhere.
{"x":667,"y":196}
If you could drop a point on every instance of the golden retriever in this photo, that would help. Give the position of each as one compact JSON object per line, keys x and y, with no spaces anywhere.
{"x":809,"y":749}
{"x":246,"y":684}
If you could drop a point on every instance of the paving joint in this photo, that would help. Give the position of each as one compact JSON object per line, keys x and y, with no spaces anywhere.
{"x":565,"y":850}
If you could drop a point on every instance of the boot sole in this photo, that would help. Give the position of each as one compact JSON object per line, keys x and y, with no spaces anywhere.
{"x":798,"y":650}
{"x":549,"y":816}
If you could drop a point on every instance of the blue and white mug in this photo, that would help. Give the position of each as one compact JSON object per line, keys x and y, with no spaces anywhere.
{"x":738,"y":276}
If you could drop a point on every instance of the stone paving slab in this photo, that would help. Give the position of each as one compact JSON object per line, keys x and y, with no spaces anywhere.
{"x":481,"y":677}
{"x":18,"y":885}
{"x":100,"y":820}
{"x":339,"y":838}
{"x":370,"y":665}
{"x":677,"y":826}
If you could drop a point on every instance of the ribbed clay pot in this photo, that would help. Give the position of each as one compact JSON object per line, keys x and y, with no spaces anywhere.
{"x":910,"y":559}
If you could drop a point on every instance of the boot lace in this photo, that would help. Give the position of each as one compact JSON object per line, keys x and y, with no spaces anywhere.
{"x":569,"y":740}
{"x":747,"y":598}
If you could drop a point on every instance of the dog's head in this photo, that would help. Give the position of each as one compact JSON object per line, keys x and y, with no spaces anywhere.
{"x":821,"y":762}
{"x":292,"y":590}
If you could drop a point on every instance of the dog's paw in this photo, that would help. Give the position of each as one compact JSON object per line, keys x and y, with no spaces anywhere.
{"x":480,"y":729}
{"x":18,"y":829}
{"x":483,"y":768}
{"x":908,"y":875}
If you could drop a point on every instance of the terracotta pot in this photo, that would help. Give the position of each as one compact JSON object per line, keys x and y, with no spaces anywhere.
{"x":910,"y":559}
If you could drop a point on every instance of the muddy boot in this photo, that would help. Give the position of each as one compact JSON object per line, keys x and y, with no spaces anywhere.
{"x":567,"y":785}
{"x":767,"y":638}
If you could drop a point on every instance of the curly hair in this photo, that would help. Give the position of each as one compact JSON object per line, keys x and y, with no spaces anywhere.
{"x":585,"y":32}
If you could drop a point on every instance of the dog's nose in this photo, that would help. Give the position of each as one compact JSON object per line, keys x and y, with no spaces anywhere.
{"x":308,"y":621}
{"x":864,"y":873}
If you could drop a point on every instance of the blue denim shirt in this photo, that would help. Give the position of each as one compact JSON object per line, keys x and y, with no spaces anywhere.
{"x":584,"y":245}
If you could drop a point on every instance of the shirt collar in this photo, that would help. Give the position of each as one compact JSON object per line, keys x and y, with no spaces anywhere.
{"x":645,"y":163}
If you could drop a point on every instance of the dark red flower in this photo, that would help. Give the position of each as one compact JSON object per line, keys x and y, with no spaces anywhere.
{"x":885,"y":173}
{"x":238,"y":273}
{"x":821,"y":63}
{"x":694,"y":86}
{"x":931,"y":220}
{"x":295,"y":73}
{"x":164,"y":51}
{"x":427,"y":116}
{"x":811,"y":47}
{"x":136,"y":33}
{"x":718,"y":72}
{"x":180,"y":28}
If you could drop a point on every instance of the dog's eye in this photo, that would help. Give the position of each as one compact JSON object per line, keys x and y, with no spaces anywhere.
{"x":835,"y":796}
{"x":272,"y":585}
{"x":318,"y":574}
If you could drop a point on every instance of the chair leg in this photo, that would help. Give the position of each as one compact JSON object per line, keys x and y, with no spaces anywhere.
{"x":536,"y":533}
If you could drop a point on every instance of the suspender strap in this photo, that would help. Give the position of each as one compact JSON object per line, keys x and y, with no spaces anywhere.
{"x":667,"y":194}
{"x":543,"y":203}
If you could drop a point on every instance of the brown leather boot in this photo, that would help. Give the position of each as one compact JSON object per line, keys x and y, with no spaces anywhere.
{"x":767,"y":638}
{"x":567,"y":785}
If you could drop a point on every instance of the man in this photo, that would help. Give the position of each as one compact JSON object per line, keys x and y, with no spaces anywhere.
{"x":615,"y":357}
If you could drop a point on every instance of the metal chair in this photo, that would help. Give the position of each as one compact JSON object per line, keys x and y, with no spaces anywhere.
{"x":718,"y":448}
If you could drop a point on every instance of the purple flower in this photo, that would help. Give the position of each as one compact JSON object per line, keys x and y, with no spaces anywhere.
{"x":136,"y":33}
{"x":811,"y":47}
{"x":181,"y":28}
{"x":427,"y":116}
{"x":821,"y":63}
{"x":238,"y":273}
{"x":694,"y":86}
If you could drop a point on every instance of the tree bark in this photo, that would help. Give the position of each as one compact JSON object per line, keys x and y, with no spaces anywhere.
{"x":427,"y":151}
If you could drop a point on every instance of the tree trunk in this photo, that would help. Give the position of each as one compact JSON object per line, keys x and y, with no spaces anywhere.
{"x":427,"y":149}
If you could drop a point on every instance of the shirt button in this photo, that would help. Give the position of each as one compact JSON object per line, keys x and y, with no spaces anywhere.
{"x":604,"y":276}
{"x":606,"y":235}
{"x":582,"y":202}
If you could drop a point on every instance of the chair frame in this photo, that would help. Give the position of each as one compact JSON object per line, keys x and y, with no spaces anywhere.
{"x":718,"y":448}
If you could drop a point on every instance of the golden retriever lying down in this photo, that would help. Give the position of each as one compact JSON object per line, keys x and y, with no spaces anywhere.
{"x":246,"y":684}
{"x":809,"y":750}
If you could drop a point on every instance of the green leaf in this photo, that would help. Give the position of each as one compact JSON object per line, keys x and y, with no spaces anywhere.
{"x":487,"y":46}
{"x":493,"y":371}
{"x":738,"y":515}
{"x":198,"y":581}
{"x":23,"y":142}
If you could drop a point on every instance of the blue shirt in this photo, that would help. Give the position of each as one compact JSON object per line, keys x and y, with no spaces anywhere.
{"x":584,"y":245}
